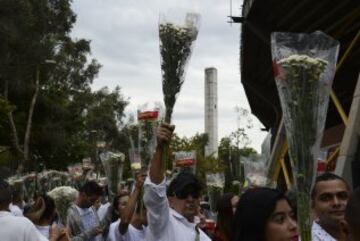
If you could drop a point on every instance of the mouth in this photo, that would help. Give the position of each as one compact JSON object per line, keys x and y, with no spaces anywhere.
{"x":295,"y":238}
{"x":338,"y":213}
{"x":190,"y":206}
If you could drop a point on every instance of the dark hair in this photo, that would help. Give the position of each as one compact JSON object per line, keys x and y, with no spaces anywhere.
{"x":327,"y":176}
{"x":5,"y":193}
{"x":49,"y":207}
{"x":115,"y":204}
{"x":225,"y":215}
{"x":43,"y":208}
{"x":254,"y":209}
{"x":352,"y":211}
{"x":91,"y":188}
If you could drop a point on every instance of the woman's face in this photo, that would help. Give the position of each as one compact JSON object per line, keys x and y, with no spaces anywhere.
{"x":122,"y":203}
{"x":281,"y":226}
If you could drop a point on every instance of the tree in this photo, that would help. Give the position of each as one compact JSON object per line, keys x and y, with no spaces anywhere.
{"x":48,"y":101}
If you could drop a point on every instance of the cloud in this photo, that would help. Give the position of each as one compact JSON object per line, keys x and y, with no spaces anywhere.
{"x":124,"y":39}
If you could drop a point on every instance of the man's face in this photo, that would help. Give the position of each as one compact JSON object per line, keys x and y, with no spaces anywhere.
{"x":186,"y":202}
{"x":88,"y":200}
{"x":330,"y":200}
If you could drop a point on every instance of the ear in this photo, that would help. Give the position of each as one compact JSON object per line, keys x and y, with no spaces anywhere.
{"x":171,"y":201}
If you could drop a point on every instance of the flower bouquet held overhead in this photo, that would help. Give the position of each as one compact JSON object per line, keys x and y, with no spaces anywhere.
{"x":185,"y":160}
{"x":63,"y":197}
{"x":148,"y":120}
{"x":175,"y":49}
{"x":304,"y":68}
{"x":113,"y":167}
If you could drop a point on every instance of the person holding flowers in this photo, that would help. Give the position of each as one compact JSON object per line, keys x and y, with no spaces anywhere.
{"x":131,"y":224}
{"x":82,"y":219}
{"x":171,"y":213}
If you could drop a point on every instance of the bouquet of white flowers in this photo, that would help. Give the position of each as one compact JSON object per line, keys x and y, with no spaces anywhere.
{"x":304,"y":67}
{"x":148,"y":120}
{"x":113,"y":166}
{"x":176,"y":43}
{"x":63,"y":197}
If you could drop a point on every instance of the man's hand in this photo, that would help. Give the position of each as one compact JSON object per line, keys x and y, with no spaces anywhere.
{"x":164,"y":134}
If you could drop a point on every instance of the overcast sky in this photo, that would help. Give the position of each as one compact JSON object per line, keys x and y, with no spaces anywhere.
{"x":124,"y":39}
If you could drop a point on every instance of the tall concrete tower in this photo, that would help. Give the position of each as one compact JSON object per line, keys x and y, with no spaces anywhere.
{"x":211,"y":113}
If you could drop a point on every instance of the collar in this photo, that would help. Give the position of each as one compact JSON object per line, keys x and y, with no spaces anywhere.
{"x":320,"y":233}
{"x":5,"y":213}
{"x":181,"y":218}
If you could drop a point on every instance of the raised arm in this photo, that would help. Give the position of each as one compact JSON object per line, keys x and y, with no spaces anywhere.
{"x":164,"y":134}
{"x":128,"y":212}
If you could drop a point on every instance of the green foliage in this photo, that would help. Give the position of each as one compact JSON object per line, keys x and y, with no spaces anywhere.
{"x":230,"y":153}
{"x":67,"y":111}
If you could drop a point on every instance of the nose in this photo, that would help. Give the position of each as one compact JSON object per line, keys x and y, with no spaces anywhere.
{"x":190,"y":197}
{"x":292,"y":224}
{"x":336,"y":201}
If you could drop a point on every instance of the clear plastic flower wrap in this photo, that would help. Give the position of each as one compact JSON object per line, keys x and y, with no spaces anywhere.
{"x":30,"y":185}
{"x":215,"y":185}
{"x":176,"y":42}
{"x":113,"y":166}
{"x":17,"y":184}
{"x":63,"y":197}
{"x":255,"y":172}
{"x":135,"y":160}
{"x":185,"y":160}
{"x":304,"y":68}
{"x":148,"y":121}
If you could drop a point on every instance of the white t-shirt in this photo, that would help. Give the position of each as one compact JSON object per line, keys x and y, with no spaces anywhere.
{"x":88,"y":218}
{"x":102,"y":210}
{"x":132,"y":234}
{"x":15,"y":210}
{"x":14,"y":228}
{"x":44,"y":230}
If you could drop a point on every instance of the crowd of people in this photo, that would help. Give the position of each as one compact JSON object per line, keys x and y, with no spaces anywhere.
{"x":155,"y":211}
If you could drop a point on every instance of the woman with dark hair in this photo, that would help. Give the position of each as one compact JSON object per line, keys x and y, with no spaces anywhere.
{"x":225,"y":208}
{"x":43,"y":213}
{"x":264,"y":214}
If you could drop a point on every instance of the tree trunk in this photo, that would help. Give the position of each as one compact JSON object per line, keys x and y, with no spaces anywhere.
{"x":14,"y":134}
{"x":29,"y":122}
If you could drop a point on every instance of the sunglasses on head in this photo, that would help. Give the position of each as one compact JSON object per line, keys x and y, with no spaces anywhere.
{"x":185,"y":192}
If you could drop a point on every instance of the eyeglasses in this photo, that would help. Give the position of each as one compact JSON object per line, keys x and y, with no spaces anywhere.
{"x":185,"y":192}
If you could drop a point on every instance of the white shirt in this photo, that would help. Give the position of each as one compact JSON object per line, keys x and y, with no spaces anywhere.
{"x":88,"y":218}
{"x":15,"y":210}
{"x":132,"y":234}
{"x":319,"y":234}
{"x":44,"y":230}
{"x":102,"y":210}
{"x":14,"y":228}
{"x":165,"y":223}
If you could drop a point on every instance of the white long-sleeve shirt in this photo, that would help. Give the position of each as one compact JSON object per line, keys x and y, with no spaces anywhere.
{"x":14,"y":228}
{"x":164,"y":223}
